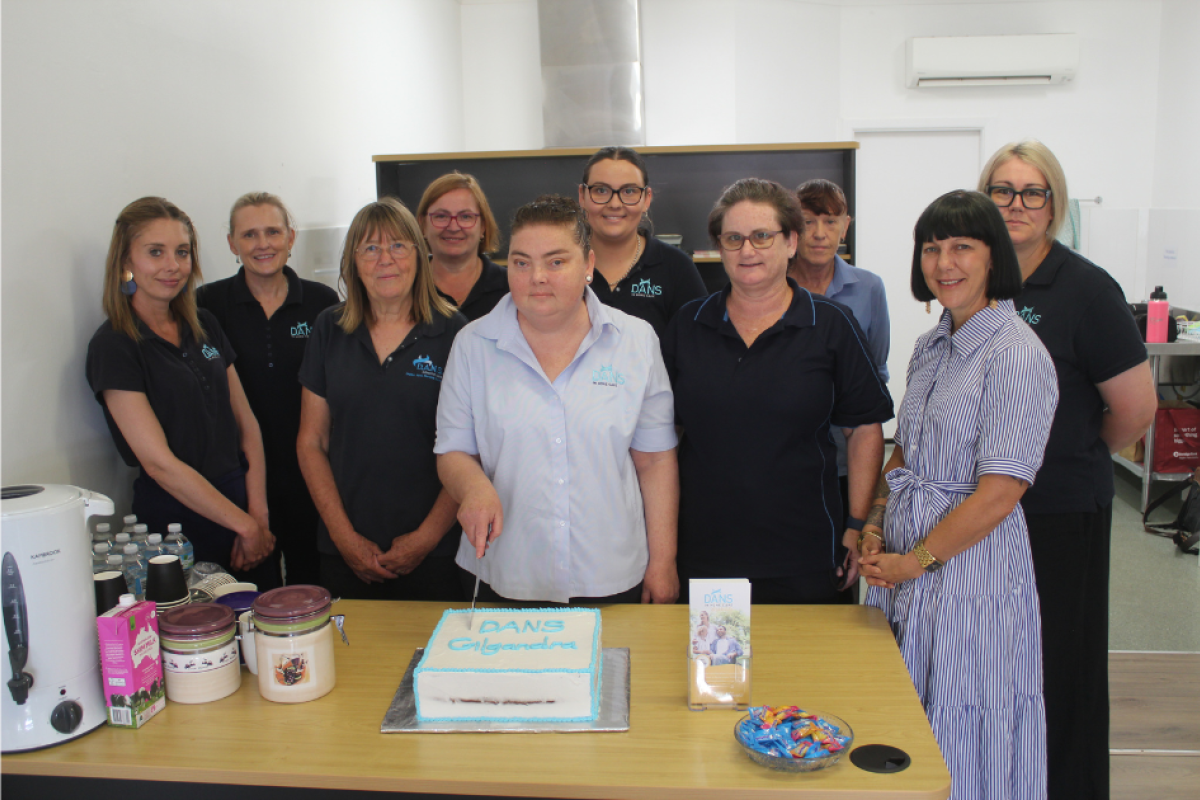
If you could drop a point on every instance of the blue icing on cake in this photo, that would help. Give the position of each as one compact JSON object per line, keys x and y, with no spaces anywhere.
{"x":512,"y":665}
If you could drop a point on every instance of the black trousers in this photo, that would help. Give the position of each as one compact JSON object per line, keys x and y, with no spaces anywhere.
{"x":294,"y":521}
{"x":436,"y":578}
{"x":1071,"y":561}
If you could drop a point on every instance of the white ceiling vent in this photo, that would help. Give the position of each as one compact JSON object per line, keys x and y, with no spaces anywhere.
{"x":1037,"y":59}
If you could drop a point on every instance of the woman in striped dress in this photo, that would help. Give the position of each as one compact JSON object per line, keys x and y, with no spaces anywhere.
{"x":950,"y":565}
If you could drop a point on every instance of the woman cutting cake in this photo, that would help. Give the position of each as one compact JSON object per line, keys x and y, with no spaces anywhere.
{"x":556,"y":435}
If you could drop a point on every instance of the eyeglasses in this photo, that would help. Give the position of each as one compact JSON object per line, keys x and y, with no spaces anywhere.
{"x":466,"y":219}
{"x":373,"y":252}
{"x":759,"y":240}
{"x":1032,"y":199}
{"x":629,"y":195}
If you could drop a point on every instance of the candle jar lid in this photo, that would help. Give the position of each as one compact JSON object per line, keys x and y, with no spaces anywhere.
{"x":292,"y":603}
{"x":195,"y":620}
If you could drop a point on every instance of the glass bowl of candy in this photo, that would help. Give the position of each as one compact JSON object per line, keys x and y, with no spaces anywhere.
{"x":790,"y":739}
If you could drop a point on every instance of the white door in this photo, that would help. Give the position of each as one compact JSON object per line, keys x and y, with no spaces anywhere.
{"x":898,"y":175}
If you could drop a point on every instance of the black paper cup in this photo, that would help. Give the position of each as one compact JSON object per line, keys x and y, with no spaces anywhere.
{"x":164,"y":580}
{"x":109,"y":588}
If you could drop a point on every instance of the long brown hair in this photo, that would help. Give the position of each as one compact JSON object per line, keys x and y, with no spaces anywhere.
{"x":129,"y":224}
{"x":393,"y":218}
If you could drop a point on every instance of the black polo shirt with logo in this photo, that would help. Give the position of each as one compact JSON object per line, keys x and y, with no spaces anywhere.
{"x":490,"y":286}
{"x":270,"y":352}
{"x":660,"y":283}
{"x":187,"y":386}
{"x":1079,"y":313}
{"x":383,"y":422}
{"x":759,"y":494}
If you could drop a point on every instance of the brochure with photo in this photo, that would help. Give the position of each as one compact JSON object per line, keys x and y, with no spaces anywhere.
{"x":719,"y":643}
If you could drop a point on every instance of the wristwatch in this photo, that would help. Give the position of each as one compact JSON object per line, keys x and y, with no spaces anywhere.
{"x":854,"y":523}
{"x":925,"y":558}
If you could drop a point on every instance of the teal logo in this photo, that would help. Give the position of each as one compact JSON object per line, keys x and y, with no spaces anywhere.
{"x":644,"y":288}
{"x":607,"y":376}
{"x":423,"y":367}
{"x":301,"y":330}
{"x":1027,"y":314}
{"x":210,"y":352}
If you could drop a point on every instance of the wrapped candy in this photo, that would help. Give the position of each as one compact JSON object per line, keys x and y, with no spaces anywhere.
{"x":787,"y":731}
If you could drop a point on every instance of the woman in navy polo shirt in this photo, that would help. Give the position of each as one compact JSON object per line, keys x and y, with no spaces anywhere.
{"x":1107,"y":402}
{"x":460,"y":229}
{"x":371,"y":375}
{"x":268,"y":312}
{"x":635,"y":272}
{"x":761,"y":371}
{"x":162,"y":370}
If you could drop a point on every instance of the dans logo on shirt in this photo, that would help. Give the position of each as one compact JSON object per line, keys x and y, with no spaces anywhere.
{"x":423,"y":367}
{"x":644,"y":288}
{"x":607,"y":376}
{"x":301,"y":330}
{"x":210,"y":352}
{"x":1027,"y":314}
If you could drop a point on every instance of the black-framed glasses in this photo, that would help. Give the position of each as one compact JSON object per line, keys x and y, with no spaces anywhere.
{"x":466,"y":219}
{"x":373,"y":252}
{"x":1031,"y":198}
{"x":629,"y":194}
{"x":759,"y":240}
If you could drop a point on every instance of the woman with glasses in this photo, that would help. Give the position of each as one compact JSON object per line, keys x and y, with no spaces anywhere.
{"x":761,"y":372}
{"x":459,"y":227}
{"x":162,"y":370}
{"x":635,"y":272}
{"x":371,"y":375}
{"x":1107,"y":400}
{"x":555,"y":433}
{"x":267,"y":312}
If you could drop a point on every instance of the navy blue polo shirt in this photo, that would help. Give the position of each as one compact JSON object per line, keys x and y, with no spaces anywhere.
{"x":660,"y":283}
{"x":270,"y":352}
{"x":490,"y":286}
{"x":757,"y":466}
{"x":383,"y":422}
{"x":187,"y":386}
{"x":1079,"y":313}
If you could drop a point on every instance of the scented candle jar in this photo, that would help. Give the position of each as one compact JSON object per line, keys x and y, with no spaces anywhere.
{"x":293,"y":638}
{"x":200,"y":652}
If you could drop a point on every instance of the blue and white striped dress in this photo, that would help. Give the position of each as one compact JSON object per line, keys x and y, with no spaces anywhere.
{"x":978,"y":402}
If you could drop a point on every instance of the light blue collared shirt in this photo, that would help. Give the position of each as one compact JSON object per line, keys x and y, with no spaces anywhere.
{"x":862,"y":292}
{"x":558,"y":453}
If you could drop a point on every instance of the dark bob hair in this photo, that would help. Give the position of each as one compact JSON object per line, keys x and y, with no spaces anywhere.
{"x":974,"y":216}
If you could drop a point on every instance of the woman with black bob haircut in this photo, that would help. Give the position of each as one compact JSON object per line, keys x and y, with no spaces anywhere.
{"x":967,"y":214}
{"x":970,"y":437}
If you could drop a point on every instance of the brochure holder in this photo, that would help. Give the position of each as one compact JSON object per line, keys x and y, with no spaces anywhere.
{"x":718,"y":650}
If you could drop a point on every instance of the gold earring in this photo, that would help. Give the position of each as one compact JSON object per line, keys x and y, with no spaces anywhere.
{"x":928,"y":308}
{"x":992,"y":303}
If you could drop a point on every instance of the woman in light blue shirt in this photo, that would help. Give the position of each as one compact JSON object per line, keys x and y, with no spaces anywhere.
{"x":556,"y":432}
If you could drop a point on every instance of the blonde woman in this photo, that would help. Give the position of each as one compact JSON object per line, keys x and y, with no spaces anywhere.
{"x":162,"y":370}
{"x":371,"y":376}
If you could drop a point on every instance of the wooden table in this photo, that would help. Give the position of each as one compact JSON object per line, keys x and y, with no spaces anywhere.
{"x":839,"y":659}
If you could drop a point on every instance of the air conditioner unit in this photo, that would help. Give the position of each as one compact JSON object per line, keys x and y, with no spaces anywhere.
{"x":1037,"y":59}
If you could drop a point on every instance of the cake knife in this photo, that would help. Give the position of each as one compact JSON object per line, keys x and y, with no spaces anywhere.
{"x":471,"y":619}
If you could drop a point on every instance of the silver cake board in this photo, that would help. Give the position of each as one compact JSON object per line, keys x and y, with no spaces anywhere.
{"x":401,"y":716}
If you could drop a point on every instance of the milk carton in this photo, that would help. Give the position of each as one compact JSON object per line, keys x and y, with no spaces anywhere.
{"x":131,"y":663}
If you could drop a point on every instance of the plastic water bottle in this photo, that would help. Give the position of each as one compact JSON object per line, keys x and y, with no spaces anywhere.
{"x":130,"y":520}
{"x":120,"y":540}
{"x":154,"y":547}
{"x":135,"y":571}
{"x":103,"y":533}
{"x":140,"y":532}
{"x":116,"y":562}
{"x":100,"y":551}
{"x":185,"y":551}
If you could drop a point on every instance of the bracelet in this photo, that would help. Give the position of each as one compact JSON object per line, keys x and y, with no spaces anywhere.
{"x":854,"y":523}
{"x":868,"y":533}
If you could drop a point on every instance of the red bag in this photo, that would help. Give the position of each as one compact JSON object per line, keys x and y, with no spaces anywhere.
{"x":1176,"y":439}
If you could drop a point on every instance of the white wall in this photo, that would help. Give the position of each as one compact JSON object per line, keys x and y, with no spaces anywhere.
{"x":104,"y":102}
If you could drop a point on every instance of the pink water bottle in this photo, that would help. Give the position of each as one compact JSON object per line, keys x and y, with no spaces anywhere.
{"x":1158,"y":316}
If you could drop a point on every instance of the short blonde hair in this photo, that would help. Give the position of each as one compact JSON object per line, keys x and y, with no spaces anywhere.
{"x":260,"y":199}
{"x":1038,"y":156}
{"x":129,"y":224}
{"x":391,"y":217}
{"x":490,"y":241}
